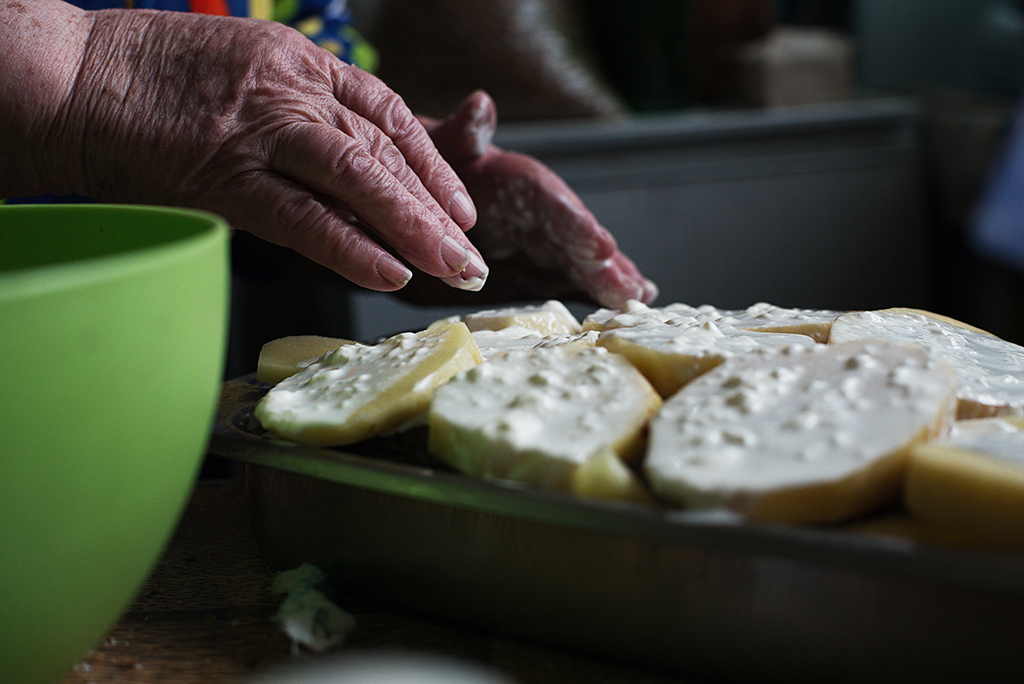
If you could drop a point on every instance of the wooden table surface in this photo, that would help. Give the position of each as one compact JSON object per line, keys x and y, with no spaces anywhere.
{"x":206,"y":613}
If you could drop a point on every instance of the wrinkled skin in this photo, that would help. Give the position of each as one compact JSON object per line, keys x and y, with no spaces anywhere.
{"x":245,"y":118}
{"x":538,"y":237}
{"x":251,"y":120}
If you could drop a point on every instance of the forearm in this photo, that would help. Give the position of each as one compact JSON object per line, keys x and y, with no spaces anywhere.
{"x":42,"y":43}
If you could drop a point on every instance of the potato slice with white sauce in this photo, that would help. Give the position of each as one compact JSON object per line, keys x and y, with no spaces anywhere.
{"x":537,"y":416}
{"x":972,"y":480}
{"x":990,"y":369}
{"x":286,"y":356}
{"x":671,"y":355}
{"x":550,"y":317}
{"x":356,"y":391}
{"x":802,"y":435}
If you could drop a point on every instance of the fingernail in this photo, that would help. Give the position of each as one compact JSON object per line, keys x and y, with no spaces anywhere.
{"x":455,"y":255}
{"x":469,"y":284}
{"x":393,"y":271}
{"x":462,"y":209}
{"x":476,"y":267}
{"x":473,"y":277}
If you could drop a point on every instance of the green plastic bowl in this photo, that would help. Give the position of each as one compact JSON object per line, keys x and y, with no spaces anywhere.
{"x":113,"y":325}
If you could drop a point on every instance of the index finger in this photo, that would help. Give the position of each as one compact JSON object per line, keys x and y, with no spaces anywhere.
{"x":322,"y":158}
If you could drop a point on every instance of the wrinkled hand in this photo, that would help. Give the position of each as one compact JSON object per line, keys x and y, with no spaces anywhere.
{"x":249,"y":119}
{"x":538,"y":237}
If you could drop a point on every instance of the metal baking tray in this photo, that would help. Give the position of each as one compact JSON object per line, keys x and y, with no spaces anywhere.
{"x":694,"y":594}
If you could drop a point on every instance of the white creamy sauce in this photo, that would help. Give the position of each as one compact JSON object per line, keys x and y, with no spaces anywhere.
{"x":493,"y":342}
{"x":342,"y":381}
{"x":768,"y":317}
{"x":805,"y":414}
{"x":990,"y":369}
{"x":534,"y":415}
{"x":762,"y":317}
{"x":471,"y":284}
{"x":683,"y":336}
{"x":635,"y":312}
{"x":992,"y":437}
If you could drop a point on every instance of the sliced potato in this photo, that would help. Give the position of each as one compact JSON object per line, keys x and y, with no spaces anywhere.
{"x":604,"y":476}
{"x":286,"y":356}
{"x":537,"y":416}
{"x":990,"y":369}
{"x":802,"y":435}
{"x":972,"y":480}
{"x":551,"y":317}
{"x":360,"y":391}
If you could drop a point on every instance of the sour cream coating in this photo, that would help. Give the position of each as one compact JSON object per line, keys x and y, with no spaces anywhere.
{"x":764,"y":317}
{"x":995,"y":438}
{"x":535,"y":416}
{"x":990,"y":369}
{"x":635,"y":312}
{"x":357,"y":391}
{"x":674,"y":352}
{"x":494,"y":342}
{"x":760,"y":317}
{"x":805,"y":434}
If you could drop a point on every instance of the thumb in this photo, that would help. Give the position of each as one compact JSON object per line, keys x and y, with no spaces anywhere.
{"x":467,"y":132}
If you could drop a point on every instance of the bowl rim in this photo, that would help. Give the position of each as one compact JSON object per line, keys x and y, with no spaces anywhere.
{"x":33,"y":281}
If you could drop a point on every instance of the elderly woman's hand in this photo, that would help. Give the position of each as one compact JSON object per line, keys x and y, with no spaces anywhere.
{"x":245,"y":118}
{"x":538,"y":237}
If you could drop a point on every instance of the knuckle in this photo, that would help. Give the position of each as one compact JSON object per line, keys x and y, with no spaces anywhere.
{"x":310,"y":228}
{"x":369,"y":139}
{"x":359,"y":174}
{"x":299,"y":218}
{"x":390,"y":157}
{"x":394,"y":117}
{"x":350,"y":158}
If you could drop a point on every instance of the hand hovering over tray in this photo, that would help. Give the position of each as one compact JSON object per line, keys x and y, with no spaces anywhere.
{"x":245,"y":118}
{"x":249,"y":119}
{"x":538,"y":237}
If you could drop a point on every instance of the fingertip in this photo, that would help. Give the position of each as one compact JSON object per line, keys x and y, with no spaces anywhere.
{"x":613,"y":291}
{"x":466,"y":282}
{"x":472,"y":271}
{"x":466,"y":133}
{"x":648,"y":291}
{"x":476,"y":272}
{"x":393,"y":271}
{"x":482,"y":120}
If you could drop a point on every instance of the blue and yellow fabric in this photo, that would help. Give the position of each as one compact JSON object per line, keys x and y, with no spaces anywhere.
{"x":328,"y":23}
